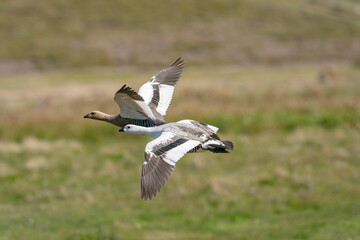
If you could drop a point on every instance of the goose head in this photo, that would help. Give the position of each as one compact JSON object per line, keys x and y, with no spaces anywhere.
{"x":130,"y":128}
{"x":94,"y":115}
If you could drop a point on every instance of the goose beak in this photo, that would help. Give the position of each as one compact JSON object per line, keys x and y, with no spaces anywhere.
{"x":87,"y":115}
{"x":121,"y":130}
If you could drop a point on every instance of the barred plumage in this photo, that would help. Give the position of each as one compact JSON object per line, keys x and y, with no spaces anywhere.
{"x":172,"y":141}
{"x":195,"y":149}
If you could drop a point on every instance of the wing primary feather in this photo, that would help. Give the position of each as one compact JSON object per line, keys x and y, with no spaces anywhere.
{"x":161,"y":155}
{"x":130,"y":92}
{"x":179,"y":62}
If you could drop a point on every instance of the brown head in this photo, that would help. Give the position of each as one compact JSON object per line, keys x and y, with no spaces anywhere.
{"x":114,"y":119}
{"x":95,"y":115}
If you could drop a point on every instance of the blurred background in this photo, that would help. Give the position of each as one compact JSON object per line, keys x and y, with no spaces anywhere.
{"x":281,"y":79}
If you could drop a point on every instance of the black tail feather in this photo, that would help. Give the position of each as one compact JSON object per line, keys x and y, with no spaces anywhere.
{"x":219,"y":150}
{"x":229,"y":145}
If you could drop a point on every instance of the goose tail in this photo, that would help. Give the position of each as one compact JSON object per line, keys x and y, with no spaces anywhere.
{"x":229,"y":145}
{"x":218,"y":146}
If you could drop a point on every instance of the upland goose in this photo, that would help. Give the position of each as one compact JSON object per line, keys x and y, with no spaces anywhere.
{"x":148,"y":107}
{"x":172,"y":141}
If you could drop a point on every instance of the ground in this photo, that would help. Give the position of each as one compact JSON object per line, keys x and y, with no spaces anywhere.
{"x":293,"y":174}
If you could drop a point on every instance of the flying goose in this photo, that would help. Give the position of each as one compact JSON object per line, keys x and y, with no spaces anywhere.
{"x":148,"y":106}
{"x":172,"y":141}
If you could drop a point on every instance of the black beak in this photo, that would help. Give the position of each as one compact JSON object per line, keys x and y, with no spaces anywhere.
{"x":87,"y":115}
{"x":121,"y":130}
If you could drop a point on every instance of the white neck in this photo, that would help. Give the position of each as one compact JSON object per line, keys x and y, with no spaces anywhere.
{"x":153,"y":132}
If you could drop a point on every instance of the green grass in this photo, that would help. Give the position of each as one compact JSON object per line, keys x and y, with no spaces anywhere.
{"x":275,"y":185}
{"x":293,"y":174}
{"x":285,"y":120}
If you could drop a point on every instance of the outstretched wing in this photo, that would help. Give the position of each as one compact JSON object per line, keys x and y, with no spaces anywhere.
{"x":160,"y":88}
{"x":132,"y":105}
{"x":161,"y":156}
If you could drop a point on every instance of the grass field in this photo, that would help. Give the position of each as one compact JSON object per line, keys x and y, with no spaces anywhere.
{"x":294,"y":172}
{"x":281,"y":79}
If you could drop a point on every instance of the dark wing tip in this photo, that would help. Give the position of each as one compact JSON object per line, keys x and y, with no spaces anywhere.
{"x":170,"y":75}
{"x":154,"y":176}
{"x":179,"y":63}
{"x":130,"y":92}
{"x":122,"y":89}
{"x":148,"y":195}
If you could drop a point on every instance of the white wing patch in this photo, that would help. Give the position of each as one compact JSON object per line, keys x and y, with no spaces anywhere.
{"x":146,"y":91}
{"x":173,"y":155}
{"x":166,"y":93}
{"x":163,"y":139}
{"x":160,"y":88}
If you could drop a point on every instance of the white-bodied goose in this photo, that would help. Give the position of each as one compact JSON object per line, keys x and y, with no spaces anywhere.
{"x":148,"y":107}
{"x":172,"y":141}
